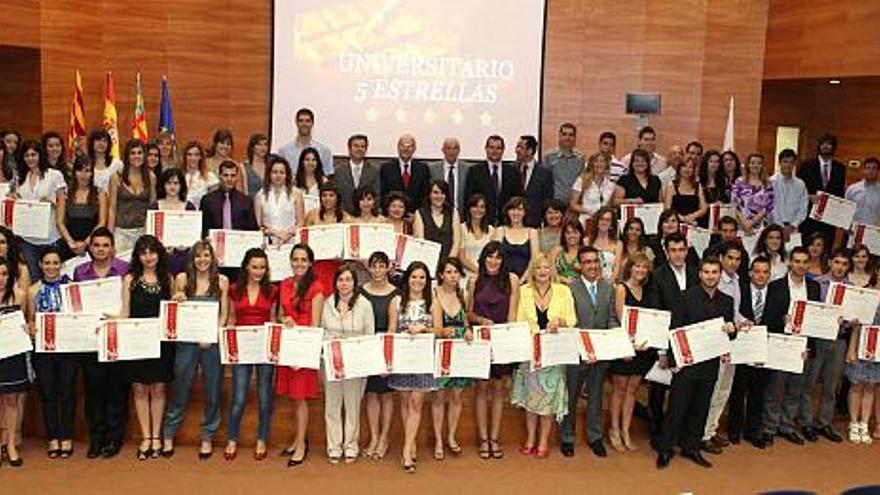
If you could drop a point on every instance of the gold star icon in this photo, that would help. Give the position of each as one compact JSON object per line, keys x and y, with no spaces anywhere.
{"x":457,"y":117}
{"x":429,"y":116}
{"x":486,"y":119}
{"x":400,"y":115}
{"x":372,"y":114}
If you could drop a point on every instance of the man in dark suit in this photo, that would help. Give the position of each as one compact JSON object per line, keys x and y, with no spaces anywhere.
{"x":823,"y":173}
{"x":356,"y":173}
{"x":495,"y":180}
{"x":727,"y":233}
{"x":453,"y":172}
{"x":537,"y":180}
{"x":594,"y":305}
{"x":691,"y":390}
{"x":226,"y":207}
{"x":783,"y":396}
{"x":409,"y":176}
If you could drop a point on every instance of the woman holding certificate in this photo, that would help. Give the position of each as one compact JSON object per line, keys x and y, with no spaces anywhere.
{"x":863,"y":374}
{"x":519,"y":243}
{"x":131,"y":192}
{"x":547,"y":305}
{"x":329,"y":212}
{"x":171,"y":193}
{"x":752,"y":195}
{"x":146,"y":285}
{"x":366,"y":207}
{"x":492,"y":297}
{"x":565,"y":255}
{"x":252,"y":302}
{"x":771,"y":245}
{"x":199,"y":179}
{"x":202,"y":281}
{"x":411,"y":312}
{"x":438,"y":221}
{"x":16,"y":374}
{"x":278,"y":206}
{"x":603,"y":236}
{"x":345,"y":314}
{"x":302,"y":300}
{"x":818,"y":263}
{"x":593,"y":190}
{"x":81,"y":210}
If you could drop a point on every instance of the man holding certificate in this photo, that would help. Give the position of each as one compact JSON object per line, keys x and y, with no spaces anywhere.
{"x":692,"y":386}
{"x":227,"y":208}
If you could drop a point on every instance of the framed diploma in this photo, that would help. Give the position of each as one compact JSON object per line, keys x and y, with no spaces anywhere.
{"x":297,"y":347}
{"x":460,"y":359}
{"x":408,"y":354}
{"x":699,"y":342}
{"x":697,"y":237}
{"x":833,"y":210}
{"x":25,"y":218}
{"x":717,"y":211}
{"x":604,"y":345}
{"x":854,"y":302}
{"x":659,"y":375}
{"x":244,"y":345}
{"x":279,"y":261}
{"x":101,"y":296}
{"x":66,"y":332}
{"x":14,"y":337}
{"x":191,"y":321}
{"x":362,"y":240}
{"x":649,"y":213}
{"x":354,"y":357}
{"x":648,"y":327}
{"x":130,"y":339}
{"x":814,"y":319}
{"x":786,"y":352}
{"x":510,"y":342}
{"x":409,"y":249}
{"x":869,"y":235}
{"x":325,"y":240}
{"x":553,"y":349}
{"x":231,"y":245}
{"x":175,"y":228}
{"x":868,"y":344}
{"x":749,"y":346}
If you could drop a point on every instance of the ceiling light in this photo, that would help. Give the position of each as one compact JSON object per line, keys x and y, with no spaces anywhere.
{"x":834,"y":81}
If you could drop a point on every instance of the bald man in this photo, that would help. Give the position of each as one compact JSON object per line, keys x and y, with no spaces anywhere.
{"x":405,"y":174}
{"x":452,"y":171}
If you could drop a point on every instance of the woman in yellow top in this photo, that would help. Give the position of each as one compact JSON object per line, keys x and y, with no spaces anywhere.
{"x":547,"y":305}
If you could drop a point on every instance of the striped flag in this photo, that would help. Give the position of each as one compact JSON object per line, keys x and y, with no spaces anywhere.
{"x":139,"y":126}
{"x":166,"y":120}
{"x":728,"y":131}
{"x":109,"y":121}
{"x":77,"y":130}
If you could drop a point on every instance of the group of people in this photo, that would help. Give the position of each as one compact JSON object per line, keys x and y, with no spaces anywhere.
{"x":528,"y":241}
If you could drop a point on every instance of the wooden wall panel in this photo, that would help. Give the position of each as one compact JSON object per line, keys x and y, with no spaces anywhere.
{"x":20,"y":23}
{"x":20,"y":73}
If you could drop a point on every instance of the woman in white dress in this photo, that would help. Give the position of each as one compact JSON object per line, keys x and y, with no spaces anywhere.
{"x":593,"y":190}
{"x":309,"y":177}
{"x":475,"y":233}
{"x":279,"y":206}
{"x":103,"y":165}
{"x":604,"y":236}
{"x":199,"y":180}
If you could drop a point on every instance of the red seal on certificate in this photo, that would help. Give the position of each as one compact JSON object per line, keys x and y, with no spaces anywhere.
{"x":354,"y":241}
{"x":274,"y":343}
{"x":839,"y":292}
{"x":112,"y":342}
{"x":588,"y":347}
{"x":800,"y":307}
{"x":159,"y":228}
{"x":686,"y":355}
{"x":821,"y":204}
{"x":871,"y":340}
{"x":399,"y":248}
{"x":232,"y":345}
{"x":171,"y":321}
{"x":388,"y":352}
{"x":485,"y":333}
{"x":536,"y":350}
{"x":632,"y":323}
{"x":445,"y":357}
{"x":304,"y":235}
{"x":220,"y":244}
{"x":49,"y":332}
{"x":336,"y":354}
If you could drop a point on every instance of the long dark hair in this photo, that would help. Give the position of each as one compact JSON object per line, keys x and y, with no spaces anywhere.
{"x":79,"y":163}
{"x":221,"y":136}
{"x":329,"y":186}
{"x":343,"y":268}
{"x":136,"y":268}
{"x":153,"y":145}
{"x":736,"y":173}
{"x":43,"y":165}
{"x":362,"y":192}
{"x":130,"y":146}
{"x":472,"y":202}
{"x":404,"y":286}
{"x":455,"y":263}
{"x":61,"y":166}
{"x":761,"y":245}
{"x":13,"y":258}
{"x":500,"y":281}
{"x":271,"y":161}
{"x":252,"y":143}
{"x":720,"y":178}
{"x":8,"y":291}
{"x":634,"y":221}
{"x":167,"y":175}
{"x":301,"y":170}
{"x":594,"y":228}
{"x":213,"y":270}
{"x":99,"y":135}
{"x":306,"y":281}
{"x":241,"y":283}
{"x":444,"y":188}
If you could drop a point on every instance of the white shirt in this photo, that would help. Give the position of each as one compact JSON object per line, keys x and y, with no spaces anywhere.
{"x":658,"y":162}
{"x":500,"y":171}
{"x":796,"y":292}
{"x":529,"y":170}
{"x":102,"y":177}
{"x":46,"y":187}
{"x":867,"y":198}
{"x":356,"y":170}
{"x":666,"y":176}
{"x":790,"y":200}
{"x":680,"y":276}
{"x":594,"y":197}
{"x":197,"y":186}
{"x":278,"y":209}
{"x":778,"y":267}
{"x":729,"y":285}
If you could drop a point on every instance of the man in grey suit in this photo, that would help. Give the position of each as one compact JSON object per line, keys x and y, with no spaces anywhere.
{"x":594,"y":305}
{"x":356,"y":173}
{"x":453,"y":172}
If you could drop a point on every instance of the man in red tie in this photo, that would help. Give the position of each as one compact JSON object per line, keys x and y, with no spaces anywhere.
{"x":405,"y":174}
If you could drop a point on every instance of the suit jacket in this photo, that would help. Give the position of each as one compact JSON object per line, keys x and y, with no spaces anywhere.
{"x":390,"y":179}
{"x":745,"y":301}
{"x":811,"y":173}
{"x":479,"y":180}
{"x":537,"y":192}
{"x":438,"y":172}
{"x":601,"y":315}
{"x":346,"y":186}
{"x":664,"y":292}
{"x":694,"y":307}
{"x":778,"y":300}
{"x":212,"y":211}
{"x":714,"y":250}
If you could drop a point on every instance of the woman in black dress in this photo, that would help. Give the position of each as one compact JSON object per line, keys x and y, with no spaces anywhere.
{"x":627,"y":373}
{"x":639,"y":185}
{"x":684,"y":194}
{"x":148,"y":283}
{"x":16,"y":374}
{"x":81,"y":210}
{"x":438,"y":221}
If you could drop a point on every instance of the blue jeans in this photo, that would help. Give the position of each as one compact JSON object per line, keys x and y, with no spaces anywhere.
{"x":241,"y":384}
{"x":187,"y":356}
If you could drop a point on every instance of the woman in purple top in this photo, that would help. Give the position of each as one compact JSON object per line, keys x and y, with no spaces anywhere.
{"x":493,"y":297}
{"x":752,"y":195}
{"x":171,"y":195}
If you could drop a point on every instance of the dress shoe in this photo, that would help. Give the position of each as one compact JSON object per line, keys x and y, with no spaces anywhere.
{"x":792,"y":437}
{"x":734,"y":439}
{"x":810,"y":433}
{"x":641,"y":411}
{"x":599,"y":448}
{"x":697,"y":458}
{"x":829,"y":433}
{"x":110,"y":450}
{"x":567,"y":449}
{"x":663,"y":459}
{"x":710,"y":447}
{"x":719,"y":441}
{"x":763,"y":441}
{"x":94,"y":451}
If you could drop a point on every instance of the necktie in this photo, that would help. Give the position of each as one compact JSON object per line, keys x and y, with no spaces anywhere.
{"x":450,"y":179}
{"x":824,"y":175}
{"x":591,"y":288}
{"x":525,"y":174}
{"x":405,"y":175}
{"x":227,"y":212}
{"x":356,"y":175}
{"x":759,"y":306}
{"x":495,"y":187}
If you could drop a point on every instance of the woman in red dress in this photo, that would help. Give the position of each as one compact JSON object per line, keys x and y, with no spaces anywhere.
{"x":301,"y":299}
{"x":328,"y":212}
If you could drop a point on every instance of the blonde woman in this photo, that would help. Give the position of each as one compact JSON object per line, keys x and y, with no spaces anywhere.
{"x":593,"y":190}
{"x":753,"y":196}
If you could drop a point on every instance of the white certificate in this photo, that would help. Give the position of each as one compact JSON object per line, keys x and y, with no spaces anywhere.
{"x":191,"y":321}
{"x":553,"y":349}
{"x":409,"y":249}
{"x":751,"y":240}
{"x":14,"y":338}
{"x":649,"y":213}
{"x":5,"y":189}
{"x":243,"y":345}
{"x":749,"y":346}
{"x":697,"y":237}
{"x":175,"y":228}
{"x":297,"y":347}
{"x":659,"y":375}
{"x":786,"y":352}
{"x":460,"y":359}
{"x":67,"y":332}
{"x":230,"y":246}
{"x":311,"y":202}
{"x":354,"y":357}
{"x":717,"y":211}
{"x":130,"y":339}
{"x":814,"y":319}
{"x":101,"y":296}
{"x":648,"y":327}
{"x":699,"y":342}
{"x":279,"y":261}
{"x":408,"y":354}
{"x":604,"y":345}
{"x":855,"y":302}
{"x":869,"y":235}
{"x":833,"y":210}
{"x":362,"y":240}
{"x":25,"y":218}
{"x":510,"y":342}
{"x":325,"y":240}
{"x":69,"y":266}
{"x":868,"y":343}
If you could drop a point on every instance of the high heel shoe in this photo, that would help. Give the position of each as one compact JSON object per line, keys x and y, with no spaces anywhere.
{"x":454,"y":448}
{"x":230,"y":455}
{"x":528,"y":451}
{"x":19,"y":462}
{"x":53,"y":452}
{"x":627,"y":441}
{"x":204,"y":456}
{"x":66,"y":453}
{"x":144,"y":454}
{"x":293,"y":462}
{"x":542,"y":453}
{"x":614,"y":438}
{"x":381,"y":450}
{"x":155,"y":448}
{"x":408,"y":468}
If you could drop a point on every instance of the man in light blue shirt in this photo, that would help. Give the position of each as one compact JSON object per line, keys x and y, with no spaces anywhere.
{"x":566,"y":163}
{"x":790,"y":197}
{"x":305,"y":121}
{"x":866,"y":194}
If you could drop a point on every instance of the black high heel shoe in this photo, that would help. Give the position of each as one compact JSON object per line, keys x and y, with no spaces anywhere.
{"x":144,"y":454}
{"x":296,"y":462}
{"x":16,"y":462}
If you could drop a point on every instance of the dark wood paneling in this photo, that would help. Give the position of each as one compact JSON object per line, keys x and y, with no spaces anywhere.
{"x":20,"y":90}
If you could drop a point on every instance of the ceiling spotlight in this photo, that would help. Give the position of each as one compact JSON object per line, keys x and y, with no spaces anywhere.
{"x":834,"y":81}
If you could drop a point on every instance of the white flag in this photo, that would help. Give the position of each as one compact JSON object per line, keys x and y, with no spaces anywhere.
{"x":728,"y":132}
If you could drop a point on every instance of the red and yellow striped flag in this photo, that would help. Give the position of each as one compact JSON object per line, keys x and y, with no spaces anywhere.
{"x":139,"y":126}
{"x":77,"y":130}
{"x":109,"y":120}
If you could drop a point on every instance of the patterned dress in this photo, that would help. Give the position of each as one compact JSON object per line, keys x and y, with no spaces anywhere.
{"x":416,"y":312}
{"x":541,"y":392}
{"x":457,"y":321}
{"x":751,"y":200}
